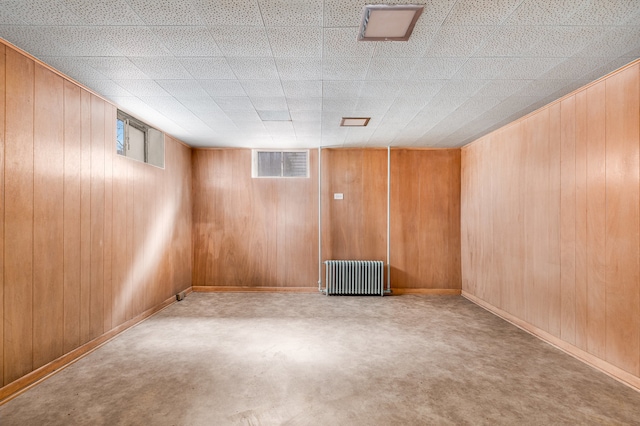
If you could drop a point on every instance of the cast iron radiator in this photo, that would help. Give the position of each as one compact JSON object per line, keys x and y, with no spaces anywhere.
{"x":354,"y":277}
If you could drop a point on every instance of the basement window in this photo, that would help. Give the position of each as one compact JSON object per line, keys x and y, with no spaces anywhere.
{"x":139,"y":141}
{"x":279,"y":164}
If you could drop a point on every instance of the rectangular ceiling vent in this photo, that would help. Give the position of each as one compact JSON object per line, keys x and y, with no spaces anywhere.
{"x":280,"y":164}
{"x":382,"y":22}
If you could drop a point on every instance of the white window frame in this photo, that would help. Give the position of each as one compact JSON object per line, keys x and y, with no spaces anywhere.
{"x":254,"y":163}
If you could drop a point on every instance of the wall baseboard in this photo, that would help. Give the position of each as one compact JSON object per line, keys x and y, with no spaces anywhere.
{"x":428,"y":291}
{"x":247,"y":289}
{"x":241,"y":289}
{"x":31,"y":379}
{"x":611,"y":370}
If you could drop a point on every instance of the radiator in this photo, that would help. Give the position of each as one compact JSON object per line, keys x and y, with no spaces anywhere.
{"x":354,"y":277}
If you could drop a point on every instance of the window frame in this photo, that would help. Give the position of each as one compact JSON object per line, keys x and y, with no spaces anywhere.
{"x":254,"y":163}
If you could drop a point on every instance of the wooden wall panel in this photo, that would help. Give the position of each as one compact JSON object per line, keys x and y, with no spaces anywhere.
{"x":48,"y":220}
{"x":596,"y":222}
{"x":405,"y":218}
{"x":622,"y":300}
{"x":249,"y":231}
{"x":574,"y":167}
{"x":553,"y":254}
{"x":71,"y":227}
{"x":64,"y":195}
{"x":568,"y":219}
{"x":263,"y":232}
{"x":85,"y":215}
{"x":2,"y":218}
{"x":96,"y":291}
{"x":18,"y":223}
{"x":109,"y":152}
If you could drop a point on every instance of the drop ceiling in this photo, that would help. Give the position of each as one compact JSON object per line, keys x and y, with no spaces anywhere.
{"x":283,"y":73}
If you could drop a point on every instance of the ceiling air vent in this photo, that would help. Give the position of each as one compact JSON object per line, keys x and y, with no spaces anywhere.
{"x":382,"y":22}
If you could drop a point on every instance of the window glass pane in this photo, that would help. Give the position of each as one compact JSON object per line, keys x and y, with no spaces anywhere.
{"x":120,"y":137}
{"x":269,"y":163}
{"x":295,"y":164}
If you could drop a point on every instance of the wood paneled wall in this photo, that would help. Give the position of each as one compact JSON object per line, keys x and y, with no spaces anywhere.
{"x":264,"y":232}
{"x":425,"y":218}
{"x":551,"y":219}
{"x":89,"y":239}
{"x":252,"y":232}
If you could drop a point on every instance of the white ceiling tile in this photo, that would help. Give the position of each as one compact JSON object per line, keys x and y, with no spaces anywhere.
{"x":34,"y":40}
{"x":304,"y":104}
{"x":339,"y":105}
{"x":613,"y":65}
{"x":169,"y":106}
{"x":341,"y":89}
{"x":82,"y":41}
{"x":617,"y":41}
{"x":437,"y":68}
{"x":188,"y":41}
{"x":103,"y":12}
{"x":285,"y":13}
{"x":182,"y":88}
{"x":409,"y":104}
{"x":229,"y":12}
{"x":34,"y":12}
{"x":343,"y":42}
{"x":279,"y":126}
{"x":380,"y":89}
{"x":481,"y":12}
{"x":373,"y":106}
{"x":142,"y":87}
{"x":461,"y":88}
{"x":271,"y":103}
{"x":244,"y":117}
{"x":7,"y":18}
{"x":482,"y":68}
{"x":458,"y":41}
{"x":544,"y":12}
{"x":208,"y":68}
{"x":296,"y":42}
{"x":264,"y":88}
{"x":343,"y":13}
{"x":574,"y":68}
{"x":217,"y":88}
{"x":162,"y":67}
{"x":231,"y":103}
{"x":416,"y":46}
{"x":299,"y":68}
{"x":300,"y":89}
{"x":604,"y":12}
{"x":204,"y":108}
{"x":274,"y":115}
{"x":242,"y":41}
{"x":76,"y":68}
{"x":254,"y":68}
{"x":305,"y":116}
{"x":116,"y":68}
{"x":425,"y":89}
{"x":512,"y":40}
{"x":502,"y":88}
{"x":106,"y":88}
{"x":564,"y":41}
{"x":390,"y":68}
{"x":134,"y":41}
{"x":165,"y":12}
{"x":529,"y":68}
{"x":344,"y":68}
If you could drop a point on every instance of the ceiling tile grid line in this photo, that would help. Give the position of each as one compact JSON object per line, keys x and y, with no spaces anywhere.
{"x":227,"y":73}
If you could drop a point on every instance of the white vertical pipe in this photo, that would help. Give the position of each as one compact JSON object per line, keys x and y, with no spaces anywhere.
{"x":319,"y":218}
{"x":389,"y":218}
